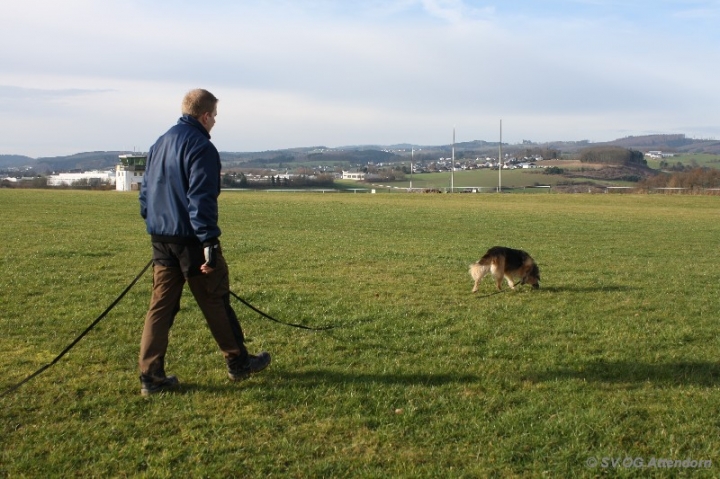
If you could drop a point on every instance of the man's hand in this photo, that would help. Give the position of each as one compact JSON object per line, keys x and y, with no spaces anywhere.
{"x":210,"y":250}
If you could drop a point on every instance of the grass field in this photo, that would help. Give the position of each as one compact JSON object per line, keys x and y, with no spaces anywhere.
{"x":483,"y":178}
{"x":688,"y":159}
{"x":487,"y":180}
{"x":519,"y":178}
{"x":615,"y":357}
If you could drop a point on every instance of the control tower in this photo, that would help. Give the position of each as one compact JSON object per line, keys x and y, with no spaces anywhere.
{"x":129,"y":172}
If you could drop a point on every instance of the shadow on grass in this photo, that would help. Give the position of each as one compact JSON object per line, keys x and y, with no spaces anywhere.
{"x":364,"y":344}
{"x":699,"y":373}
{"x":573,"y":288}
{"x":580,"y":288}
{"x":318,"y":377}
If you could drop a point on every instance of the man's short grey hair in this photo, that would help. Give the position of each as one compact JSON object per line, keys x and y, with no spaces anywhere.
{"x":197,"y":102}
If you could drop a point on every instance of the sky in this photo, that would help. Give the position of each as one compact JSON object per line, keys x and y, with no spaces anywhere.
{"x":109,"y":75}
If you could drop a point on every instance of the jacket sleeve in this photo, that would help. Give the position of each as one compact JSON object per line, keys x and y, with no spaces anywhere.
{"x":203,"y":191}
{"x":142,"y":196}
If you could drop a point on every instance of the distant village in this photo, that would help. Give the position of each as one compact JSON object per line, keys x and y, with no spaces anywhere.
{"x":128,"y":173}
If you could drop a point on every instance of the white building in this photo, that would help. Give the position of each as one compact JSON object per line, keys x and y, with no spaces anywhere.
{"x":353,"y":175}
{"x":658,"y":154}
{"x":129,"y":172}
{"x":93,"y":178}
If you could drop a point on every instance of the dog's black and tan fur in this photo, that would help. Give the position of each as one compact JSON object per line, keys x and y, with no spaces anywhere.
{"x":506,"y":263}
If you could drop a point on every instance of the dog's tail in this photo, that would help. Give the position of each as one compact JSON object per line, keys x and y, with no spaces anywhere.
{"x":477,"y":270}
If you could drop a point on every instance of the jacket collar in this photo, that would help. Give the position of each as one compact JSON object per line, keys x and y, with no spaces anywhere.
{"x":189,"y":120}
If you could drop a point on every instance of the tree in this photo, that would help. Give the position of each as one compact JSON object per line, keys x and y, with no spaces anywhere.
{"x":697,"y":178}
{"x":613,"y":155}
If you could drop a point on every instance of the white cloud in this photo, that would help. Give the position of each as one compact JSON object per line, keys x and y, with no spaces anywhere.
{"x":322,"y":72}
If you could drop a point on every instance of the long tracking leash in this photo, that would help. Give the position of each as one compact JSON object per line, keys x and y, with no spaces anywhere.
{"x":122,"y":295}
{"x":265,"y":315}
{"x":87,"y":330}
{"x":117,"y":300}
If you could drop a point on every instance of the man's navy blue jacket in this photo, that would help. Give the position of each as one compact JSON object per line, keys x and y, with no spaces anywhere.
{"x":178,"y":195}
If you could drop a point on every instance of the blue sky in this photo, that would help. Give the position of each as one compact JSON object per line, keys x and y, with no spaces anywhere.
{"x":82,"y":75}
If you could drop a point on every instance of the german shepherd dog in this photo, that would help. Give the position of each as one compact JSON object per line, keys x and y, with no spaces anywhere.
{"x":506,"y":263}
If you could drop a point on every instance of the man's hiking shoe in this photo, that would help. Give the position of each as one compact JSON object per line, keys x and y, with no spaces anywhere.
{"x":154,"y":384}
{"x":254,"y":364}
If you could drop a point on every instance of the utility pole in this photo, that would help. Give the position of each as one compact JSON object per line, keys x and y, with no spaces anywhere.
{"x":500,"y":161}
{"x":452,"y":171}
{"x":412,"y":155}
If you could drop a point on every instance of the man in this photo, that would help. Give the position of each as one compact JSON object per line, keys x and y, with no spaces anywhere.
{"x":178,"y":201}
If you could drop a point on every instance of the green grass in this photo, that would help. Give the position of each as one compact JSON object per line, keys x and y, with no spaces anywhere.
{"x":689,"y":159}
{"x":487,"y":179}
{"x":482,"y":178}
{"x":616,"y":355}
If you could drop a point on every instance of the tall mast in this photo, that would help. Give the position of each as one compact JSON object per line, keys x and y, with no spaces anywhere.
{"x":452,"y":171}
{"x":412,"y":155}
{"x":500,"y":161}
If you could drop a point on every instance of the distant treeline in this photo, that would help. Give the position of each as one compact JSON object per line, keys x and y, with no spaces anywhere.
{"x":657,"y":142}
{"x":697,"y":178}
{"x":287,"y":159}
{"x":357,"y":156}
{"x":612,"y":155}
